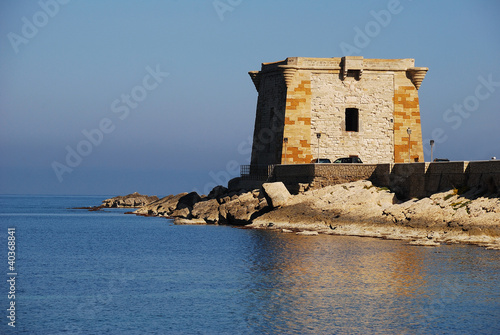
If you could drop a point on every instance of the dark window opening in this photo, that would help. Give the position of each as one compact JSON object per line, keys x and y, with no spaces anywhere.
{"x":356,"y":74}
{"x":351,"y":119}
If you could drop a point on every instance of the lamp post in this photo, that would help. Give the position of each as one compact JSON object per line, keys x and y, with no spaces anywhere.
{"x":409,"y":144}
{"x":318,"y":136}
{"x":285,"y":140}
{"x":432,"y":146}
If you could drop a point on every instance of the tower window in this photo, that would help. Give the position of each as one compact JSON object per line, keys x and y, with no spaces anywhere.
{"x":351,"y":119}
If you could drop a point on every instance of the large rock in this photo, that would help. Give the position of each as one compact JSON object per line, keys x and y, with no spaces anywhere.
{"x":217,"y":192}
{"x":188,"y":200}
{"x":182,"y":213}
{"x":162,"y":207}
{"x":133,"y":200}
{"x":356,"y":201}
{"x":185,"y":205}
{"x":192,"y":221}
{"x":206,"y":210}
{"x":241,"y":209}
{"x":276,"y":194}
{"x":224,"y":207}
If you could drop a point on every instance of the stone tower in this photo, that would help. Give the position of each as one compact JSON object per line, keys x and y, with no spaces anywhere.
{"x":360,"y":107}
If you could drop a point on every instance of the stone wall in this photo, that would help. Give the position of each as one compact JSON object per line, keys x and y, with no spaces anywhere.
{"x":298,"y":119}
{"x":373,"y":96}
{"x":321,"y":175}
{"x":444,"y":175}
{"x":407,"y":180}
{"x":406,"y":115}
{"x":484,"y":174}
{"x":269,"y":119}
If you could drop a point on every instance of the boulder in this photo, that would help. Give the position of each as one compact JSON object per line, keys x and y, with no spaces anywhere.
{"x":169,"y":204}
{"x":164,"y":206}
{"x":217,"y":192}
{"x":188,"y":200}
{"x":185,"y":204}
{"x":206,"y":210}
{"x":241,"y":209}
{"x":276,"y":194}
{"x":192,"y":221}
{"x":182,"y":213}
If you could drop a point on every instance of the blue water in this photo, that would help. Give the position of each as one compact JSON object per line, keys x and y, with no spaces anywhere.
{"x":81,"y":272}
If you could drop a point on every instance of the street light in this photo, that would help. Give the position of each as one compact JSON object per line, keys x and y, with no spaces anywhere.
{"x":286,"y":141}
{"x":432,"y":146}
{"x":318,"y":136}
{"x":409,"y":144}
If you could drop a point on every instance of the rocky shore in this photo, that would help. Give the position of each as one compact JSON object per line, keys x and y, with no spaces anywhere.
{"x":133,"y":200}
{"x":359,"y":208}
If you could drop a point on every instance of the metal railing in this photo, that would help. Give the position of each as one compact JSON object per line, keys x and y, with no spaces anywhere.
{"x":256,"y":172}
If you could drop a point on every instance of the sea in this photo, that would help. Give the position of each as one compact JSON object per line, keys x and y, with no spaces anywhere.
{"x":73,"y":271}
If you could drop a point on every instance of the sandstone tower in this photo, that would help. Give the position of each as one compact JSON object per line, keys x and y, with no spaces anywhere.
{"x":360,"y":107}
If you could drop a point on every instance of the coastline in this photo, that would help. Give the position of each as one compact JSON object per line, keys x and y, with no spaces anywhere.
{"x":361,"y":209}
{"x":414,"y":236}
{"x":466,"y":216}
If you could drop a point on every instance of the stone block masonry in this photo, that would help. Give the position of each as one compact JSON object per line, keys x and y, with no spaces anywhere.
{"x":407,"y":180}
{"x":372,"y":97}
{"x":407,"y":116}
{"x":298,"y":120}
{"x":357,"y":107}
{"x":269,"y":119}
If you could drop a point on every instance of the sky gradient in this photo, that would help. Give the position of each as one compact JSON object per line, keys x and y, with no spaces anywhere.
{"x":156,"y":98}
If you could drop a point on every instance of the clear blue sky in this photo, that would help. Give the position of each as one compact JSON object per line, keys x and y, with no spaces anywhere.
{"x":69,"y":67}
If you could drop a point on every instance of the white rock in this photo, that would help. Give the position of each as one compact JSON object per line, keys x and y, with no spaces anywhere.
{"x":276,"y":194}
{"x":308,"y":233}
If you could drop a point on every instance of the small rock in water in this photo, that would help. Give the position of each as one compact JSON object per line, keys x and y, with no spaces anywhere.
{"x":424,"y":242}
{"x":308,"y":233}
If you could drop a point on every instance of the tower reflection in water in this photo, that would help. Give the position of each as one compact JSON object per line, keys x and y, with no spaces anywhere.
{"x":337,"y":283}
